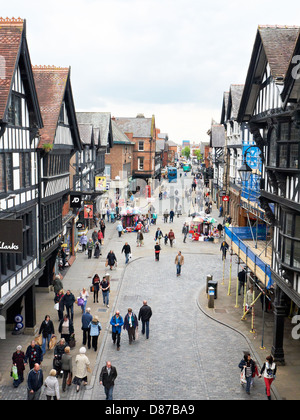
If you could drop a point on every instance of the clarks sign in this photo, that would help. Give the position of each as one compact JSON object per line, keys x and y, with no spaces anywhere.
{"x":11,"y":236}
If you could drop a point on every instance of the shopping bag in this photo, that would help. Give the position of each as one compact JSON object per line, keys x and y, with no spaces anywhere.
{"x":52,"y":342}
{"x":72,"y":341}
{"x":56,"y":306}
{"x":39,"y":340}
{"x":91,"y":288}
{"x":69,"y":379}
{"x":80,"y":301}
{"x":243,"y":377}
{"x":136,"y":335}
{"x":14,"y":373}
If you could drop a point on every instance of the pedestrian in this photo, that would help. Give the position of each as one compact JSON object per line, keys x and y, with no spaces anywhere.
{"x":107,"y":378}
{"x":18,"y":360}
{"x":33,"y":354}
{"x":59,"y":304}
{"x":66,"y":328}
{"x":247,"y":366}
{"x":117,"y":323}
{"x":102,"y":227}
{"x":185,"y":231}
{"x":224,"y":248}
{"x":100,"y":238}
{"x":95,"y":328}
{"x":120,"y":229}
{"x":166,"y":238}
{"x":84,"y":294}
{"x":47,"y":331}
{"x":220,"y":229}
{"x":157,"y":249}
{"x":166,"y":215}
{"x":145,"y":314}
{"x":172,"y":214}
{"x":269,"y":371}
{"x":179,"y":261}
{"x":57,"y":284}
{"x":131,"y":325}
{"x":83,"y":242}
{"x":221,"y":211}
{"x":67,"y":368}
{"x":171,"y":237}
{"x":127,"y":251}
{"x":139,"y":238}
{"x":111,"y":259}
{"x":34,"y":382}
{"x":95,"y":236}
{"x":82,"y":365}
{"x":96,"y":286}
{"x":85,"y":326}
{"x":97,"y":251}
{"x":90,"y":247}
{"x":52,"y":386}
{"x":68,"y":301}
{"x":58,"y":353}
{"x":158,"y":235}
{"x":105,"y":287}
{"x":242,"y":276}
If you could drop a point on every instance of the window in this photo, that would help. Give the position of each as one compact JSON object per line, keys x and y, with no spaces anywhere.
{"x":141,"y":164}
{"x":289,"y":241}
{"x":15,"y":110}
{"x":141,"y":146}
{"x":25,"y":170}
{"x":273,"y":148}
{"x":52,"y":220}
{"x":6,"y":172}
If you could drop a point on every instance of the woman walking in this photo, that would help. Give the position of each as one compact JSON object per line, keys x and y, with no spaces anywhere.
{"x":59,"y":304}
{"x":269,"y":371}
{"x":82,"y":364}
{"x":47,"y":331}
{"x":96,"y":285}
{"x":84,"y":294}
{"x":66,"y":328}
{"x":111,"y":259}
{"x":66,"y":367}
{"x":97,"y":251}
{"x":248,"y":365}
{"x":18,"y":358}
{"x":105,"y":287}
{"x":52,"y":386}
{"x":95,"y":328}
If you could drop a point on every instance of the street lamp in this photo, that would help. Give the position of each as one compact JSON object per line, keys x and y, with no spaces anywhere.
{"x":245,"y":172}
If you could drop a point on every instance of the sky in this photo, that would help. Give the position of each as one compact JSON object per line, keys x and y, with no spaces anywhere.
{"x":169,"y":58}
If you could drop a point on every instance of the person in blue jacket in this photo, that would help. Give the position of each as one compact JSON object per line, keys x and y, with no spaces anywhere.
{"x":34,"y":383}
{"x":95,"y":328}
{"x":117,"y":323}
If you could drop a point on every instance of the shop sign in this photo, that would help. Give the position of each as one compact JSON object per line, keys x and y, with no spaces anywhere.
{"x":11,"y":236}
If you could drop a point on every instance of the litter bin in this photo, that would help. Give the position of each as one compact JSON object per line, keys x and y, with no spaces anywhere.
{"x":209,"y":277}
{"x":214,"y":284}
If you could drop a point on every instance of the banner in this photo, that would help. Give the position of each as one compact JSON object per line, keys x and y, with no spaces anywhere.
{"x":11,"y":236}
{"x":88,"y":211}
{"x":100,"y":183}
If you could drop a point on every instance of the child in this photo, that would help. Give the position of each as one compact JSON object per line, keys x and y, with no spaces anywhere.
{"x":166,"y":238}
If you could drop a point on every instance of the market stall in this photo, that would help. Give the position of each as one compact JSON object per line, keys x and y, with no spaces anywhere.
{"x":130,"y":218}
{"x":201,"y":228}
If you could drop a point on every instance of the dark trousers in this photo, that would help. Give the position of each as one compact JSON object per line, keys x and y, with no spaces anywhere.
{"x":116,"y":338}
{"x":157,"y":256}
{"x":95,"y":342}
{"x":86,"y":338}
{"x":131,"y":334}
{"x":64,"y":381}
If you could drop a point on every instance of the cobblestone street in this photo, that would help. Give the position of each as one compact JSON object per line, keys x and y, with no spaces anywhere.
{"x":188,"y":356}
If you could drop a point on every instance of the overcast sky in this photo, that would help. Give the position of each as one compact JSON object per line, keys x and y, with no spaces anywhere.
{"x":170,"y":58}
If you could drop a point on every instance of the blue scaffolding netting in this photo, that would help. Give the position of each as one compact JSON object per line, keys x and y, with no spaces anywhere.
{"x":238,"y":234}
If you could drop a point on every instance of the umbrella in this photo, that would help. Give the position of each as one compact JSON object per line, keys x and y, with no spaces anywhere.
{"x":198,"y":219}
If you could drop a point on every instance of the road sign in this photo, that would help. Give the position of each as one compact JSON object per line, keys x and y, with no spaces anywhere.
{"x":225,"y":198}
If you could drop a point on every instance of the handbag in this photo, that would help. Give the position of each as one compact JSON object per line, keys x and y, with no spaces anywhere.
{"x":80,"y":301}
{"x":69,"y":379}
{"x":92,"y":288}
{"x":56,"y":306}
{"x":72,"y":341}
{"x":52,"y":342}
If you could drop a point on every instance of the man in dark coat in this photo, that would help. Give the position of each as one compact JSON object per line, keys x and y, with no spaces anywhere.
{"x":34,"y":383}
{"x":145,"y":314}
{"x":33,"y":354}
{"x":107,"y":379}
{"x":68,"y":301}
{"x":130,"y":324}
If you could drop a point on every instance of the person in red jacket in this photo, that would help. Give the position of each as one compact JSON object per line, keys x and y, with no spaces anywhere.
{"x":171,"y":237}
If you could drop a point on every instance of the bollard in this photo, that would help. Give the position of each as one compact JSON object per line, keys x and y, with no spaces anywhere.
{"x":209,"y":278}
{"x":211,"y":297}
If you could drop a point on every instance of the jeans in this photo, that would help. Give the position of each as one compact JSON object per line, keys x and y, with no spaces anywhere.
{"x":145,"y":326}
{"x":248,"y":384}
{"x":48,"y":338}
{"x":84,"y":306}
{"x":105,"y":296}
{"x":70,"y":312}
{"x":109,"y":392}
{"x":178,"y":269}
{"x":126,"y":258}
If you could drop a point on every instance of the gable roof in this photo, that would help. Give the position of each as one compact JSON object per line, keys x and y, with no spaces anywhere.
{"x":139,"y":126}
{"x":274,"y":45}
{"x":13,"y":52}
{"x":53,"y":87}
{"x":224,"y":108}
{"x":234,"y":101}
{"x":118,"y":135}
{"x":100,"y":121}
{"x":86,"y":134}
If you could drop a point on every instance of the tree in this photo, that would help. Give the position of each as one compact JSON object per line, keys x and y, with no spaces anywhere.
{"x":186,"y":152}
{"x":198,"y":154}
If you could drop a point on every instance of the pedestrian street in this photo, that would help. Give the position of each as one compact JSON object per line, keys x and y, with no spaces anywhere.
{"x":188,"y":356}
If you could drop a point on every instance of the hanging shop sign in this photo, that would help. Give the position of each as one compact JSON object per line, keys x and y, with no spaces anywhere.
{"x":11,"y":236}
{"x":75,"y":200}
{"x":88,"y":211}
{"x":100,"y":183}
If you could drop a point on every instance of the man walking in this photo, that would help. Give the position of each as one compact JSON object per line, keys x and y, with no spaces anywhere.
{"x":171,"y":237}
{"x":145,"y":314}
{"x":127,"y":251}
{"x":179,"y":261}
{"x":116,"y":322}
{"x":185,"y":231}
{"x":242,"y":276}
{"x":68,"y":301}
{"x":107,"y":379}
{"x":34,"y":383}
{"x":86,"y":319}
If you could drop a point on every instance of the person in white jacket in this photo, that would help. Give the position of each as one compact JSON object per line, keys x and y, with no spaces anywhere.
{"x":82,"y":364}
{"x":52,"y":386}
